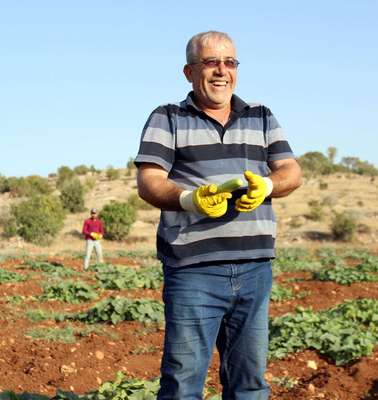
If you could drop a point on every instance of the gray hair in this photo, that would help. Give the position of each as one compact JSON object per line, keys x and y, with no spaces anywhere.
{"x":202,"y":39}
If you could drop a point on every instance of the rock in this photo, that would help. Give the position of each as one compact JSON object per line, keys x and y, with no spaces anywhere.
{"x":67,"y":369}
{"x":268,"y":376}
{"x":311,"y":388}
{"x":312,"y":364}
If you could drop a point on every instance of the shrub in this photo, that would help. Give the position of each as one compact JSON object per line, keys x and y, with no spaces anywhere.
{"x":94,"y":170}
{"x":90,"y":182}
{"x":354,"y":164}
{"x":4,"y":186}
{"x":315,"y":163}
{"x":72,"y":196}
{"x":316,"y":210}
{"x":130,"y":166}
{"x":16,"y":186}
{"x":37,"y":185}
{"x":81,"y":169}
{"x":118,"y":218}
{"x":64,"y":174}
{"x":112,"y":173}
{"x":10,"y":227}
{"x":343,"y":226}
{"x":29,"y":186}
{"x":323,"y":185}
{"x":38,"y":219}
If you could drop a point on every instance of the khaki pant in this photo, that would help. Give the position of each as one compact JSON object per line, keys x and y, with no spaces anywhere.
{"x":88,"y":252}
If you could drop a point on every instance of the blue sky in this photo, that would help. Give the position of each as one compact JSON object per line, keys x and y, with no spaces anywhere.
{"x":78,"y":79}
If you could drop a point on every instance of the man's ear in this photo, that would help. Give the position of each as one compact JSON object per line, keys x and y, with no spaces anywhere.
{"x":188,"y":73}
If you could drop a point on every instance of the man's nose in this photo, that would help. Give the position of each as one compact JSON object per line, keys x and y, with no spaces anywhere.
{"x":221,"y":68}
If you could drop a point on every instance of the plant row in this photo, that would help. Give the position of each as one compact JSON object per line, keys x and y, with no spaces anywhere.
{"x":343,"y":333}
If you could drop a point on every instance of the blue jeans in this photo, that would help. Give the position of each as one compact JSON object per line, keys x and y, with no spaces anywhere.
{"x":223,"y":305}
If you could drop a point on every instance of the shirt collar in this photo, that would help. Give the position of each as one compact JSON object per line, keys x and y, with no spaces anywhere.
{"x":237,"y":104}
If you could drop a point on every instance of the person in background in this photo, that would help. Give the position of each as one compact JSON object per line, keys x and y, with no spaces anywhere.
{"x":216,"y":248}
{"x":93,"y":230}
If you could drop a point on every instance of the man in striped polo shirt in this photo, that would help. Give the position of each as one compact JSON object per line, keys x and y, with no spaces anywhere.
{"x":216,"y":247}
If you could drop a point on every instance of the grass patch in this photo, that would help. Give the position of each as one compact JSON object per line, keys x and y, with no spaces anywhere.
{"x":38,"y":315}
{"x":68,"y":334}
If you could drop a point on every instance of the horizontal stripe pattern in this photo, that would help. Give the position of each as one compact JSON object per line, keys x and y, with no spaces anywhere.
{"x":224,"y":249}
{"x":217,"y":172}
{"x":231,"y":229}
{"x":196,"y":150}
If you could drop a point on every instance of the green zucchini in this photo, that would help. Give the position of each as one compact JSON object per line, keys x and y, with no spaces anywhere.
{"x":230,"y":185}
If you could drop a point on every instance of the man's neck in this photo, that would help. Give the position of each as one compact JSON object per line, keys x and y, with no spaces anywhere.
{"x":222,"y":115}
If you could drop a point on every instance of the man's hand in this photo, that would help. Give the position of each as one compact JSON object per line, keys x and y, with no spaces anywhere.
{"x":205,"y":200}
{"x":258,"y":189}
{"x":96,"y":236}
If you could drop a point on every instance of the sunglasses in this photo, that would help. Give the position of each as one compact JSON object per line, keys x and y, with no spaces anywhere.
{"x":229,"y":63}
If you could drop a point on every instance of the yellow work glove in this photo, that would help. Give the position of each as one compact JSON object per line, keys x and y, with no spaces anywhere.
{"x":258,"y":189}
{"x":205,"y":200}
{"x":96,"y":236}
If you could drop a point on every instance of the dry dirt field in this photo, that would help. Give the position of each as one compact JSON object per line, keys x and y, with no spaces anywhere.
{"x":42,"y":366}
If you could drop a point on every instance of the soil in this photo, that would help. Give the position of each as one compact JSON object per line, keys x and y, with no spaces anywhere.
{"x":40,"y":366}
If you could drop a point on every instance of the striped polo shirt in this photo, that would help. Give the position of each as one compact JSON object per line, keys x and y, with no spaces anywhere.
{"x":196,"y":150}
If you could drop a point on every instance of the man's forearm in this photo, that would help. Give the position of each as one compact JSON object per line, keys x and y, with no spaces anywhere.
{"x":161,"y":193}
{"x":285,"y":180}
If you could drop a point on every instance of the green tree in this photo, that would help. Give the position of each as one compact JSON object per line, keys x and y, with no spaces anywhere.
{"x":81,"y":169}
{"x":38,"y":219}
{"x":331,"y":153}
{"x":315,"y":163}
{"x":117,"y":218}
{"x":64,"y":174}
{"x":112,"y":173}
{"x":343,"y":226}
{"x":72,"y":196}
{"x":349,"y":162}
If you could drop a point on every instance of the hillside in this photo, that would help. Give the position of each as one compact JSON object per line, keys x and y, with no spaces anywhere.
{"x":340,"y":192}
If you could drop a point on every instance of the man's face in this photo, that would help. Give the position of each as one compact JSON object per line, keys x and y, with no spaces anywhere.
{"x":213,"y":86}
{"x":93,"y":215}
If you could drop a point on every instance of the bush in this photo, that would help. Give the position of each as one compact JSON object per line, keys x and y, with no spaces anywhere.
{"x":94,"y":170}
{"x":315,"y":163}
{"x":29,"y":186}
{"x":316,"y":210}
{"x":90,"y":183}
{"x":10,"y":227}
{"x":354,"y":164}
{"x":38,"y":219}
{"x":72,"y":196}
{"x":323,"y":185}
{"x":64,"y":174}
{"x":112,"y":173}
{"x":130,"y":166}
{"x":17,"y":186}
{"x":4,"y":185}
{"x":343,"y":226}
{"x":37,"y":185}
{"x":117,"y":218}
{"x":81,"y":169}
